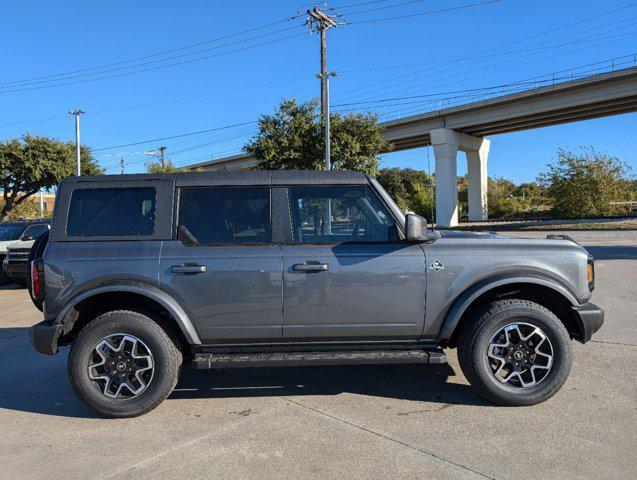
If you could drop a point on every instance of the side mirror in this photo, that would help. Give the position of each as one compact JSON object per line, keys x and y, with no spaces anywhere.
{"x":415,"y":228}
{"x":27,"y":238}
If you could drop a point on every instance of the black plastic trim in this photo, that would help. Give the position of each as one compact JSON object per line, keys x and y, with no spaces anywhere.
{"x":44,"y":336}
{"x":589,"y":318}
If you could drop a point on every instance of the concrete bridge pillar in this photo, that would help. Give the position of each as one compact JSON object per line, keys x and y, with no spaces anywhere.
{"x":446,"y":184}
{"x":446,"y":144}
{"x":477,"y":180}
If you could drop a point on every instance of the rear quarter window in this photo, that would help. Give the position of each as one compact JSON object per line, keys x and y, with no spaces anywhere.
{"x":112,"y":212}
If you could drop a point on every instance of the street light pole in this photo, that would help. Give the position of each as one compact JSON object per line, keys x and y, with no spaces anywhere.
{"x":326,"y":120}
{"x":78,"y":167}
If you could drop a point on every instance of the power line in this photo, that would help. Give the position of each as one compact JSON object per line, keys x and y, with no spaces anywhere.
{"x":226,"y":139}
{"x":499,"y":89}
{"x":154,"y":68}
{"x":583,"y":20}
{"x":590,"y":69}
{"x":386,"y":83}
{"x":185,"y":47}
{"x":469,"y":57}
{"x":141,"y":142}
{"x":455,"y":78}
{"x":402,"y":4}
{"x":515,"y":42}
{"x":341,"y":7}
{"x":122,"y":108}
{"x":429,"y":12}
{"x":151,"y":62}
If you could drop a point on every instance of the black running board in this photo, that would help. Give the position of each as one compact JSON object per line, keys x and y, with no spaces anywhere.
{"x":297,"y":359}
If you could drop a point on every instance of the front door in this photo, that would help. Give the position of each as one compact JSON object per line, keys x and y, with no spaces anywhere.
{"x":347,"y":275}
{"x":223,"y":268}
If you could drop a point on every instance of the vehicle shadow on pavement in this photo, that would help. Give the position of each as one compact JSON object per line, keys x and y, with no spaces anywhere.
{"x":426,"y":383}
{"x":30,"y":382}
{"x":615,"y":252}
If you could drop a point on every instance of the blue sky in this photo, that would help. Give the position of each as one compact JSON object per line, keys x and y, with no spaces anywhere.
{"x":243,"y":76}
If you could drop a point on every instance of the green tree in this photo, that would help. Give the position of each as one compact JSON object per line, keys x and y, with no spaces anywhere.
{"x":155,"y":166}
{"x":291,"y":138}
{"x":34,"y":163}
{"x":411,"y":189}
{"x":25,"y":210}
{"x":587,"y":184}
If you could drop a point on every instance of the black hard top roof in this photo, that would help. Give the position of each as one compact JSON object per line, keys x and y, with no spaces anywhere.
{"x":240,"y":177}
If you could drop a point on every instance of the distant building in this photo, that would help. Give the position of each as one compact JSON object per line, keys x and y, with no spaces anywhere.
{"x":48,"y":201}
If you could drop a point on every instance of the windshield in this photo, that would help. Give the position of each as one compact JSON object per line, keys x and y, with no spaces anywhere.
{"x":10,"y":232}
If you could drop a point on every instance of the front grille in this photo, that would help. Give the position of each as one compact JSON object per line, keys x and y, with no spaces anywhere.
{"x":18,"y":256}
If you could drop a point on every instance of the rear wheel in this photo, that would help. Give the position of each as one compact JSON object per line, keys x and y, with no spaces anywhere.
{"x":515,"y":352}
{"x":123,"y":364}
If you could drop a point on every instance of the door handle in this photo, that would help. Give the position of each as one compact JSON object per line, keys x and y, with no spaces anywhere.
{"x":188,"y":268}
{"x":310,"y":267}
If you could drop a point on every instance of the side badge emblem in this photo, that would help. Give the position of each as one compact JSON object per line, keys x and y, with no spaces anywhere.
{"x":437,"y":266}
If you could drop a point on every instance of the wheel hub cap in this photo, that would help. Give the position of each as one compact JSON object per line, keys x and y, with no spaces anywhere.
{"x":520,"y":355}
{"x":121,"y":366}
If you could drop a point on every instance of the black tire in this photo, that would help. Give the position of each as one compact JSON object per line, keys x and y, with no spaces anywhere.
{"x":4,"y":278}
{"x":167,"y":360}
{"x":474,"y":339}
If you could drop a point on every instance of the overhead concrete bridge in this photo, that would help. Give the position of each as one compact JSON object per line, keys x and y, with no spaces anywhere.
{"x":464,"y":128}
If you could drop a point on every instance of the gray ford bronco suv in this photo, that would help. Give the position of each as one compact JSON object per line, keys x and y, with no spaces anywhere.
{"x":141,"y":273}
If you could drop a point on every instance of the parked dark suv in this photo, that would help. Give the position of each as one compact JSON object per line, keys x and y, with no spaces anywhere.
{"x":250,"y":269}
{"x":16,"y":239}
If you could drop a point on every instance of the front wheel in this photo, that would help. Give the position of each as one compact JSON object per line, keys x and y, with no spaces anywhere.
{"x":4,"y":278}
{"x":515,"y":352}
{"x":123,"y":364}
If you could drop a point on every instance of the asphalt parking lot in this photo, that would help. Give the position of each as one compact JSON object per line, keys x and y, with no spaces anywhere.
{"x":336,"y":422}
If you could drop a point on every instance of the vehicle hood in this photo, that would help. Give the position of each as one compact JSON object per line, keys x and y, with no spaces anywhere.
{"x":13,"y":245}
{"x":4,"y":245}
{"x":470,"y":235}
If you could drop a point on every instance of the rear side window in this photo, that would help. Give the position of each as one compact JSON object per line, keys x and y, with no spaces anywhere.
{"x":112,"y":212}
{"x":226,"y":215}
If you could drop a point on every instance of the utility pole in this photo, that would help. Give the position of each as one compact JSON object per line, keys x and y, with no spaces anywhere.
{"x":122,"y":164}
{"x":78,"y":167}
{"x":323,"y":22}
{"x":162,"y":149}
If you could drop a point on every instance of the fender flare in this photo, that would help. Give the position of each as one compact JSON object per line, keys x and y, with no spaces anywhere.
{"x":462,"y":302}
{"x":149,"y":291}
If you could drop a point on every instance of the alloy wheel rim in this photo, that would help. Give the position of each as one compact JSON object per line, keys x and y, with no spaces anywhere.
{"x":121,"y":366}
{"x":520,"y":355}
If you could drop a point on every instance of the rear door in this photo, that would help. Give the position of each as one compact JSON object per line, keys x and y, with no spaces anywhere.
{"x":223,"y":267}
{"x":347,"y":274}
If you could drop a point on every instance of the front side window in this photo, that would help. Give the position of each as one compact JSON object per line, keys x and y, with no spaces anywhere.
{"x":340,"y":214}
{"x":112,"y":212}
{"x":225,"y":215}
{"x":34,"y":231}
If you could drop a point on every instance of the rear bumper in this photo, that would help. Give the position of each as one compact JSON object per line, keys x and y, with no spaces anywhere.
{"x":44,"y":336}
{"x":590,"y":318}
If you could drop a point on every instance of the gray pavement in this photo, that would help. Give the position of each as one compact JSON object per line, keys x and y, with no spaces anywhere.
{"x":335,"y":422}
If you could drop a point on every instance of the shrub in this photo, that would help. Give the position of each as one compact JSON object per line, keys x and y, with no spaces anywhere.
{"x":588,"y":184}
